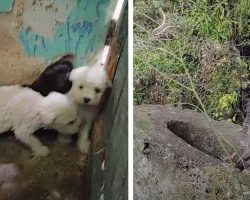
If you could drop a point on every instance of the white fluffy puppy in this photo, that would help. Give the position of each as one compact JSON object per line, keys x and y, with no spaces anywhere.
{"x":88,"y":85}
{"x":23,"y":111}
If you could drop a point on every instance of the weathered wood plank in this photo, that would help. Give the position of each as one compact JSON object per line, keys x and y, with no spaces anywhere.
{"x":112,"y":145}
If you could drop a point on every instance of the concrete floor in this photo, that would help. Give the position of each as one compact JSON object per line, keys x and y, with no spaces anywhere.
{"x":59,"y":176}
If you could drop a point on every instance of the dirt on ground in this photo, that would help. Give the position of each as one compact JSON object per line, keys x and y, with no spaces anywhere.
{"x":61,"y":175}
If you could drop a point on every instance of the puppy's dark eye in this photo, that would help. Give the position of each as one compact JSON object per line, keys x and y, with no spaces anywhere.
{"x":80,"y":87}
{"x":97,"y":90}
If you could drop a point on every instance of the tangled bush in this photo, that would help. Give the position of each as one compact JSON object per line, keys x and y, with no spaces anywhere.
{"x":198,"y":61}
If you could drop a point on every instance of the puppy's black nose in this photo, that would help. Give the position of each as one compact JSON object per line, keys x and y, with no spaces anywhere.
{"x":86,"y":100}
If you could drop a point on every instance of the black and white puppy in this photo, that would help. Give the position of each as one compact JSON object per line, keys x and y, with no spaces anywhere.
{"x":54,"y":78}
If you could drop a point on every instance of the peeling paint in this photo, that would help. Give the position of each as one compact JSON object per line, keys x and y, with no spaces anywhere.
{"x":43,"y":18}
{"x":79,"y":28}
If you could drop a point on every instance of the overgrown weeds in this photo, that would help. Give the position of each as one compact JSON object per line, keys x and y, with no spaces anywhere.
{"x":184,"y":49}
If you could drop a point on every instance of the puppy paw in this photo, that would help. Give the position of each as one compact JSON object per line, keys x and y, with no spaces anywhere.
{"x":43,"y":151}
{"x":84,"y":146}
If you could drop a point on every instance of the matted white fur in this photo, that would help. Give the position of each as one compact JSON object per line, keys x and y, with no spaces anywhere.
{"x":88,"y":85}
{"x":23,"y":111}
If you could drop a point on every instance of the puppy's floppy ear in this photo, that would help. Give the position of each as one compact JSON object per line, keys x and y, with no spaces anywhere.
{"x":73,"y":75}
{"x":78,"y":72}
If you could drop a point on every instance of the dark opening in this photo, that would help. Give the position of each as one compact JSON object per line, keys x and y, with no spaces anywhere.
{"x":197,"y":137}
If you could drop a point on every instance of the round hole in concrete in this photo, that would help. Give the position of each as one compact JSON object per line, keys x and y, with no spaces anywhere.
{"x":199,"y":137}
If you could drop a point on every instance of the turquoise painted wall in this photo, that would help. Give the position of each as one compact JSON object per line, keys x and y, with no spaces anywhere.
{"x":83,"y":32}
{"x":6,"y":5}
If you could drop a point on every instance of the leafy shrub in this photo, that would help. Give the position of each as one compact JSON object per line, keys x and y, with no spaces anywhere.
{"x":199,"y":63}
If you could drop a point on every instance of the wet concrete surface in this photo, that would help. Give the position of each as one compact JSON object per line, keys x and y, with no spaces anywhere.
{"x":61,"y":175}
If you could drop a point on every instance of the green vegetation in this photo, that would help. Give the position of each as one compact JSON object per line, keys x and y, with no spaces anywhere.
{"x":187,"y":53}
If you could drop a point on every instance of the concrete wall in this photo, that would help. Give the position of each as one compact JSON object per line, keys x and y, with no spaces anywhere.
{"x":35,"y":32}
{"x":54,"y":27}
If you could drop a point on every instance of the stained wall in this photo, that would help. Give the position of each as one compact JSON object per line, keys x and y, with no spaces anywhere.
{"x":35,"y":32}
